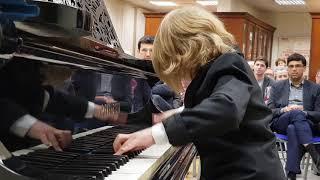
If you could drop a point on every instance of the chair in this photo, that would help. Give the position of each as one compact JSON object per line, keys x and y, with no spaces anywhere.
{"x":284,"y":139}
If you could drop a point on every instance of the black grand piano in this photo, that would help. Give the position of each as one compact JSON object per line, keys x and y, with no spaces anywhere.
{"x":78,"y":36}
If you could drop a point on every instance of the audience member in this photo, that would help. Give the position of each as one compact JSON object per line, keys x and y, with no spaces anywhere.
{"x":281,"y":62}
{"x":145,"y":47}
{"x":259,"y":69}
{"x":296,"y":113}
{"x":281,"y":74}
{"x":269,"y":73}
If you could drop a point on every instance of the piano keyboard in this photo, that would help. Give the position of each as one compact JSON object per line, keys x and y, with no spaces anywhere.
{"x":90,"y":156}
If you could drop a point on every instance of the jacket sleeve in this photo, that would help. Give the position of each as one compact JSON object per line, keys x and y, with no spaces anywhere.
{"x":10,"y":112}
{"x":276,"y":111}
{"x":66,"y":105}
{"x":216,"y":115}
{"x":315,"y":114}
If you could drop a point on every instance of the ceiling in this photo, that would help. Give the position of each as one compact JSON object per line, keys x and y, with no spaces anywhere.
{"x":265,"y":5}
{"x":148,"y":6}
{"x":270,"y":5}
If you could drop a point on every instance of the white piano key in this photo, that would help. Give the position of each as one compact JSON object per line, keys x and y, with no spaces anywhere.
{"x":154,"y":151}
{"x":143,"y":166}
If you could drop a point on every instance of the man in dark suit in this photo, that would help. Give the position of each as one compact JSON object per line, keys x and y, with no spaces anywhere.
{"x":259,"y":68}
{"x":295,"y":104}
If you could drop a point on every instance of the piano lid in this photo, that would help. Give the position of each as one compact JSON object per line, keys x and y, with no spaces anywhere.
{"x":57,"y":20}
{"x":55,"y":35}
{"x":101,"y":26}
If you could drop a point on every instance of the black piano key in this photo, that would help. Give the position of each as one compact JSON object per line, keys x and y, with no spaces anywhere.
{"x":120,"y":161}
{"x":105,"y":171}
{"x":98,"y":174}
{"x":37,"y":159}
{"x":55,"y":176}
{"x":112,"y":164}
{"x":88,"y":157}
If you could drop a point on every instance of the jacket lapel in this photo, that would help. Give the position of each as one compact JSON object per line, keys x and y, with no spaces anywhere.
{"x":305,"y":95}
{"x":286,"y":88}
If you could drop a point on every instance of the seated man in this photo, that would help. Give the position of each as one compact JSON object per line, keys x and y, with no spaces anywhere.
{"x":296,"y":113}
{"x":259,"y":68}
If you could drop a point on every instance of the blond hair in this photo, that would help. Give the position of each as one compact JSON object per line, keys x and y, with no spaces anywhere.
{"x":187,"y":39}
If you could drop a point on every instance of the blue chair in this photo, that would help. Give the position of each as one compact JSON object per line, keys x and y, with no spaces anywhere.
{"x":284,"y":139}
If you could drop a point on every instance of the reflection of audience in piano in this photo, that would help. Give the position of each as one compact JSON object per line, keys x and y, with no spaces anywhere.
{"x":224,"y":115}
{"x":24,"y":98}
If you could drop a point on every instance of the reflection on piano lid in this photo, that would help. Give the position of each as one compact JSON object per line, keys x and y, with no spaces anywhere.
{"x":37,"y":40}
{"x":57,"y":20}
{"x":90,"y":157}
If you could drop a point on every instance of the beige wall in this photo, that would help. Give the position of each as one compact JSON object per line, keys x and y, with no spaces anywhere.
{"x":129,"y":23}
{"x":290,"y":25}
{"x":241,"y":6}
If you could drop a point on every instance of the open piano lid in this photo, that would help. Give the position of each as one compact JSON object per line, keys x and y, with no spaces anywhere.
{"x":56,"y":36}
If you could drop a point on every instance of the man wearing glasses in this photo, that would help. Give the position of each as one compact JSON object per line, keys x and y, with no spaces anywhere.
{"x":295,"y":104}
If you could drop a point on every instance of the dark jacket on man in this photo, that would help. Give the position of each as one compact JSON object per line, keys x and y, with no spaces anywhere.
{"x":227,"y":120}
{"x":279,"y":98}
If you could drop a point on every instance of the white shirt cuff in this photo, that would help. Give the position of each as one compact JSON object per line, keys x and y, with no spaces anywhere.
{"x":46,"y":100}
{"x":22,"y":125}
{"x":159,"y":134}
{"x":180,"y":109}
{"x":90,"y":110}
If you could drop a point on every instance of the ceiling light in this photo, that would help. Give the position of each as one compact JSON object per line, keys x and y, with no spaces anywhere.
{"x":290,"y":2}
{"x":163,"y":3}
{"x":208,"y":3}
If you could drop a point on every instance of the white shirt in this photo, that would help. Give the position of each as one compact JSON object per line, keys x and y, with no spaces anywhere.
{"x":159,"y":133}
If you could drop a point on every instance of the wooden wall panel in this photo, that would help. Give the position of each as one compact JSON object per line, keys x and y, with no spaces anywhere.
{"x":315,"y":46}
{"x":235,"y":26}
{"x":153,"y":21}
{"x":237,"y":23}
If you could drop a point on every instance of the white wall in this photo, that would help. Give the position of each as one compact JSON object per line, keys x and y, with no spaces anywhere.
{"x":129,"y":23}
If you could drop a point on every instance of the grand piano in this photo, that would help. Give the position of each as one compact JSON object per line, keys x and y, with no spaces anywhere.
{"x":68,"y":36}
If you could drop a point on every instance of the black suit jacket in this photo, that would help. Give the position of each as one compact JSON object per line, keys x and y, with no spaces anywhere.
{"x":227,"y":120}
{"x":279,"y":98}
